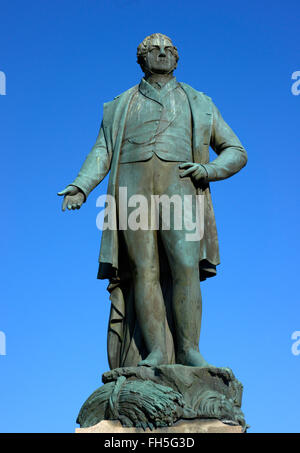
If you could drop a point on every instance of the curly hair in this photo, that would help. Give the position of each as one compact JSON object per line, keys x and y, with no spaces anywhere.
{"x":143,"y":48}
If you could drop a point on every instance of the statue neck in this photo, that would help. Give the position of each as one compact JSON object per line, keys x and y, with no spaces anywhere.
{"x":158,"y":80}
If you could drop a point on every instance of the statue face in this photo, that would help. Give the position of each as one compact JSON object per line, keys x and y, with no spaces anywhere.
{"x":159,"y":58}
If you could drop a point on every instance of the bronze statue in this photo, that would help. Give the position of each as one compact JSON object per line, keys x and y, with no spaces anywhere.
{"x":154,"y":139}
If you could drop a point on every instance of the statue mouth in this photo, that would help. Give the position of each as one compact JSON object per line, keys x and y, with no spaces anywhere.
{"x":163,"y":63}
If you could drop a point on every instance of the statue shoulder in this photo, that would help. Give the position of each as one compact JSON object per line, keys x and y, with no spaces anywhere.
{"x":191,"y":92}
{"x":122,"y":96}
{"x":119,"y":102}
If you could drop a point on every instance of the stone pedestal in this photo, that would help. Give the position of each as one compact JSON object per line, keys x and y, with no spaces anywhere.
{"x":181,"y":427}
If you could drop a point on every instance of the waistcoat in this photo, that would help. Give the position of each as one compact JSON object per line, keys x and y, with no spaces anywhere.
{"x":158,"y":122}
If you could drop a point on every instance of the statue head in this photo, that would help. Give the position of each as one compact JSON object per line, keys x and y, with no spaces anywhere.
{"x":157,"y":55}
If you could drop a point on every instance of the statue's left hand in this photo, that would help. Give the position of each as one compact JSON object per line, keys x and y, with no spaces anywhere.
{"x":196,"y":171}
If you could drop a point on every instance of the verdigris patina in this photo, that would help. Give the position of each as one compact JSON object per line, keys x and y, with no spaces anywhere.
{"x":155,"y":397}
{"x":154,"y":140}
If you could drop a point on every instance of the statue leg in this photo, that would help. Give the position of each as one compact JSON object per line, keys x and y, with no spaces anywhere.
{"x":142,"y":251}
{"x":183,"y":258}
{"x":149,"y":304}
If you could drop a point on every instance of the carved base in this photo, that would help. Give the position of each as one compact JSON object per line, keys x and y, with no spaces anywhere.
{"x":158,"y":397}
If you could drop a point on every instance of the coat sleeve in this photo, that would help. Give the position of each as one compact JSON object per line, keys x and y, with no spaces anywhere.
{"x":232,"y":157}
{"x":95,"y":167}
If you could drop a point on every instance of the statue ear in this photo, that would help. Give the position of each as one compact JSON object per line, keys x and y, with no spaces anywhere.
{"x":141,"y":62}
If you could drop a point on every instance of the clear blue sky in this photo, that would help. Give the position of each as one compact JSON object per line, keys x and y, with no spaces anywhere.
{"x":62,"y":61}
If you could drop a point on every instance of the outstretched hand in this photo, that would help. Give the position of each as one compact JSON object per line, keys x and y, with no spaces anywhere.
{"x":73,"y":197}
{"x":196,"y":171}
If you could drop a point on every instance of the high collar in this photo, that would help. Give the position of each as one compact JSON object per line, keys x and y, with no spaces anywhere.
{"x":149,"y":91}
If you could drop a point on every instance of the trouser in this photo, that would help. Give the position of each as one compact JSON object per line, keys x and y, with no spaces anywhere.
{"x":158,"y":177}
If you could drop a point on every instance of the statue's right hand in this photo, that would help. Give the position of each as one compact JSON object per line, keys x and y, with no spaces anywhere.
{"x":73,"y":197}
